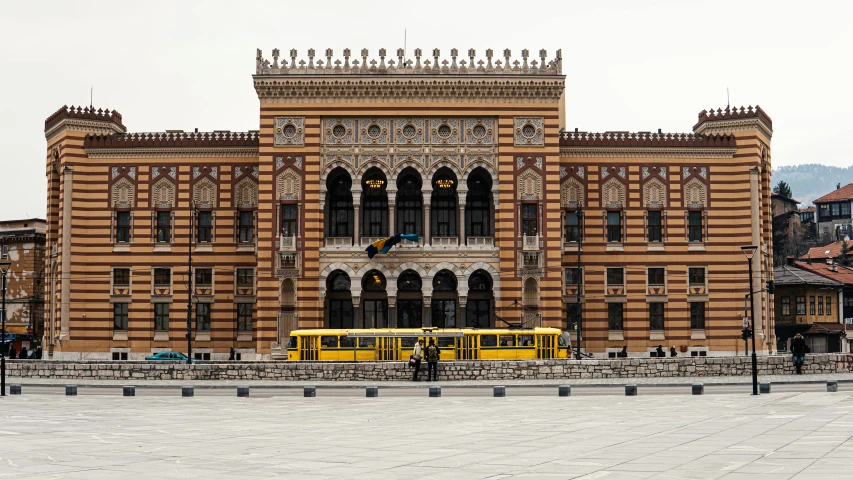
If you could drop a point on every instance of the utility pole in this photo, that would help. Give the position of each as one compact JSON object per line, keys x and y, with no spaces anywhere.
{"x":749,"y":251}
{"x":190,"y":284}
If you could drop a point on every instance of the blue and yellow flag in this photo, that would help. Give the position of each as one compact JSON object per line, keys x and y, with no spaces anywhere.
{"x":383,"y":245}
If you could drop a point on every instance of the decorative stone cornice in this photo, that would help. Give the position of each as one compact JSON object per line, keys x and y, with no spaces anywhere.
{"x":85,"y":126}
{"x":86,"y":113}
{"x":646,"y":145}
{"x":723,"y":127}
{"x":654,"y":152}
{"x":179,"y":152}
{"x":734,"y":120}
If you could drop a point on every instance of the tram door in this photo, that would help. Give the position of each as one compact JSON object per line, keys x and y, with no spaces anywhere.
{"x":386,"y":348}
{"x":308,"y":348}
{"x":468,"y":347}
{"x":545,"y":346}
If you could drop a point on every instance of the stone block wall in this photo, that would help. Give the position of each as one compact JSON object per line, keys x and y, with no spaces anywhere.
{"x":458,"y":370}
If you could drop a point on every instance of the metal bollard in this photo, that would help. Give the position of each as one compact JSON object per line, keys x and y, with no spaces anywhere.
{"x":371,"y":392}
{"x":764,"y":387}
{"x":630,"y":390}
{"x":500,"y":391}
{"x":309,"y":392}
{"x":434,"y":391}
{"x":698,"y":389}
{"x":242,"y":391}
{"x":187,"y":391}
{"x":564,"y":390}
{"x":128,"y":391}
{"x":831,"y":386}
{"x":71,"y":390}
{"x":14,"y":389}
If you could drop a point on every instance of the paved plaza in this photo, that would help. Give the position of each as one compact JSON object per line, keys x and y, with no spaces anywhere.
{"x":678,"y":436}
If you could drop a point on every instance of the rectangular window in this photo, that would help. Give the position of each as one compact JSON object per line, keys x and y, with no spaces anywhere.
{"x":615,"y":277}
{"x":811,"y":306}
{"x":246,"y":226}
{"x":4,"y":251}
{"x":164,"y":227}
{"x":204,"y":227}
{"x":801,"y":305}
{"x":529,"y":217}
{"x":161,"y":317}
{"x":614,"y":227}
{"x":656,"y":276}
{"x":121,"y":277}
{"x":697,"y":315}
{"x":824,"y":209}
{"x":203,"y":277}
{"x":694,"y":221}
{"x":614,"y":315}
{"x":574,"y":276}
{"x":656,"y":316}
{"x":786,"y":306}
{"x":572,"y":227}
{"x":244,"y":317}
{"x":829,"y":305}
{"x":655,"y":226}
{"x":696,"y":277}
{"x":244,"y":277}
{"x":202,"y":317}
{"x":845,"y":208}
{"x":572,"y":311}
{"x":288,"y":220}
{"x":836,"y":209}
{"x":120,"y":316}
{"x":819,"y":306}
{"x":122,"y":227}
{"x":162,"y":277}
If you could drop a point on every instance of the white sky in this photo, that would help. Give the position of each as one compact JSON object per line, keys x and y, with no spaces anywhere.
{"x":630,"y":65}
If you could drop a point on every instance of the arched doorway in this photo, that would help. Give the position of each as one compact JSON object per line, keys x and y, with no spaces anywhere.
{"x":443,"y":210}
{"x":374,"y":300}
{"x":339,"y":301}
{"x":375,"y":204}
{"x":339,"y":206}
{"x":409,"y":203}
{"x":444,"y":300}
{"x":478,"y":205}
{"x":409,"y":300}
{"x":480,"y":297}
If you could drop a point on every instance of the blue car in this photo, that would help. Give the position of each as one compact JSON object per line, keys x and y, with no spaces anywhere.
{"x":169,"y":356}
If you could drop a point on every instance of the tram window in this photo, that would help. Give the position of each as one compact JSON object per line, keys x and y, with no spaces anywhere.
{"x":488,"y":340}
{"x":292,"y":343}
{"x":408,"y":342}
{"x":525,"y":340}
{"x":366,"y":342}
{"x":329,"y":342}
{"x":347,"y":342}
{"x":446,"y":342}
{"x":507,"y":340}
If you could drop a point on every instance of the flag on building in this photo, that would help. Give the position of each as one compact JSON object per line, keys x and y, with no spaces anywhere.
{"x":383,"y":245}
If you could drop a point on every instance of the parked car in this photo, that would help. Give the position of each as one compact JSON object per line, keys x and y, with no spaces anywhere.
{"x":169,"y":356}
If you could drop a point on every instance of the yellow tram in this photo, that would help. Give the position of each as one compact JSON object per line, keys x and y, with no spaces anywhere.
{"x":398,"y":344}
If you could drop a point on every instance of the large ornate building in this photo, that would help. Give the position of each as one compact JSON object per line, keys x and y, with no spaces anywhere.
{"x":470,"y":153}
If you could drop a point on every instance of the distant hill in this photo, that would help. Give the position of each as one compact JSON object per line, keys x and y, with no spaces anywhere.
{"x":811,"y":181}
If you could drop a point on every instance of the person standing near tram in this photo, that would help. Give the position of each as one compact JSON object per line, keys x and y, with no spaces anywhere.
{"x":417,"y":355}
{"x":432,"y":354}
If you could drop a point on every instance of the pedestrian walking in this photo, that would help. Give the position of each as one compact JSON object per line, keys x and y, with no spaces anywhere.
{"x":23,"y":353}
{"x":12,"y":353}
{"x":672,"y":351}
{"x":37,"y":354}
{"x":231,"y":356}
{"x":566,"y":340}
{"x":798,"y":348}
{"x":432,"y":354}
{"x":660,"y":351}
{"x":417,"y":355}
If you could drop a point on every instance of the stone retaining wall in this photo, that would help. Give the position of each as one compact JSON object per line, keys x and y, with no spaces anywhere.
{"x":457,"y":370}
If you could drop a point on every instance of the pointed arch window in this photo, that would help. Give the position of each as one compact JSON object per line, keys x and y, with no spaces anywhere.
{"x":375,"y":217}
{"x":478,"y":204}
{"x":339,"y":220}
{"x":339,"y":301}
{"x":409,"y":204}
{"x":443,"y":208}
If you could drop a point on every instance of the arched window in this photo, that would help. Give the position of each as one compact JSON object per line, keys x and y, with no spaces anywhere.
{"x":375,"y":204}
{"x":479,"y":309}
{"x":409,"y":300}
{"x":443,"y":208}
{"x":409,"y":203}
{"x":339,"y":218}
{"x":375,"y":300}
{"x":444,"y":300}
{"x":339,"y":301}
{"x":478,"y":203}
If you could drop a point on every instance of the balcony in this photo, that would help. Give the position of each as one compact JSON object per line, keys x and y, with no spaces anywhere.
{"x":531,"y":243}
{"x":445,"y":242}
{"x":287,"y":244}
{"x":481,"y":242}
{"x":367,"y":241}
{"x":409,"y":244}
{"x":288,"y":264}
{"x":338,"y":242}
{"x":530,"y":263}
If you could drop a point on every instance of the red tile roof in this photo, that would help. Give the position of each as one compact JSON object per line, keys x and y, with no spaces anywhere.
{"x":843,"y":275}
{"x":824,"y":328}
{"x":806,"y":210}
{"x":843,"y":193}
{"x":783,"y":198}
{"x":822,"y":253}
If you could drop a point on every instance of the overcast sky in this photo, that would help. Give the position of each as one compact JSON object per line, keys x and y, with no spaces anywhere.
{"x":629,"y":65}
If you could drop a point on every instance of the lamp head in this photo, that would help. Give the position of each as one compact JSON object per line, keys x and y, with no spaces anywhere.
{"x":749,"y":251}
{"x":4,"y":265}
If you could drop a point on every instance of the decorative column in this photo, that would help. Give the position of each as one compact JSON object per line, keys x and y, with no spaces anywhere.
{"x":356,"y":306}
{"x":463,"y":318}
{"x":65,"y":282}
{"x":426,"y":192}
{"x":463,"y":196}
{"x":392,"y":311}
{"x":755,"y":204}
{"x":392,"y":206}
{"x":356,"y":207}
{"x":427,"y":320}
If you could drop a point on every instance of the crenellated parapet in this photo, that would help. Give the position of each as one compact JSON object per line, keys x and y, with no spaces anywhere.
{"x":419,"y":65}
{"x":732,"y":119}
{"x":172,"y":139}
{"x":83,"y":113}
{"x":642,"y":144}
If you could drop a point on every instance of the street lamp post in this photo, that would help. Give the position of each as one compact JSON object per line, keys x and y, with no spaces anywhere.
{"x":749,"y":252}
{"x":4,"y":267}
{"x":190,"y":284}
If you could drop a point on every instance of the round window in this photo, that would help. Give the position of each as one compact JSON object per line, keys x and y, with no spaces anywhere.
{"x":479,"y":131}
{"x":409,"y":131}
{"x":289,"y":130}
{"x":528,"y":130}
{"x":444,"y":131}
{"x":373,"y":131}
{"x":339,"y":131}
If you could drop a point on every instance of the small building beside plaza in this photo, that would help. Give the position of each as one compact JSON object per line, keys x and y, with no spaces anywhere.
{"x":804,"y":299}
{"x":833,"y":215}
{"x":22,"y":254}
